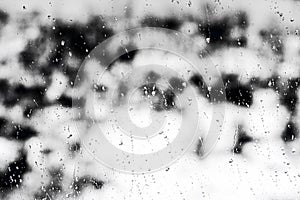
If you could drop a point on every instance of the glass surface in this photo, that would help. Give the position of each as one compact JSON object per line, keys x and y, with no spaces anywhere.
{"x":149,"y":100}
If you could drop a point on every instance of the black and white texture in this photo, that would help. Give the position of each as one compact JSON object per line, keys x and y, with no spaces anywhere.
{"x":255,"y":45}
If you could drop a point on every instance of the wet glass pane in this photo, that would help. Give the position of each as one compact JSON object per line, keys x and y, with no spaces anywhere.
{"x":149,"y":100}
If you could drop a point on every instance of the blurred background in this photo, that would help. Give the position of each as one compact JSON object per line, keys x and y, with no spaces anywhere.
{"x":255,"y":46}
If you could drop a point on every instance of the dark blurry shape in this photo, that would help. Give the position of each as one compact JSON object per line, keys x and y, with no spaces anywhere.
{"x":237,"y":93}
{"x":61,"y":42}
{"x":199,"y":149}
{"x":53,"y":188}
{"x":29,"y":110}
{"x":272,"y":82}
{"x":29,"y":56}
{"x":71,"y":73}
{"x":198,"y":81}
{"x":274,"y":39}
{"x":80,"y":183}
{"x":290,"y":132}
{"x":177,"y":84}
{"x":15,"y":94}
{"x":127,"y":54}
{"x":288,"y":95}
{"x":78,"y":39}
{"x":35,"y":49}
{"x":241,"y":140}
{"x":152,"y":77}
{"x":3,"y":123}
{"x":12,"y":177}
{"x":65,"y":101}
{"x":3,"y":17}
{"x":166,"y":98}
{"x":13,"y":131}
{"x":22,"y":133}
{"x":4,"y":87}
{"x":3,"y":126}
{"x":241,"y":19}
{"x":166,"y":101}
{"x":122,"y":89}
{"x":218,"y":32}
{"x":287,"y":90}
{"x":171,"y":23}
{"x":46,"y":151}
{"x":75,"y":147}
